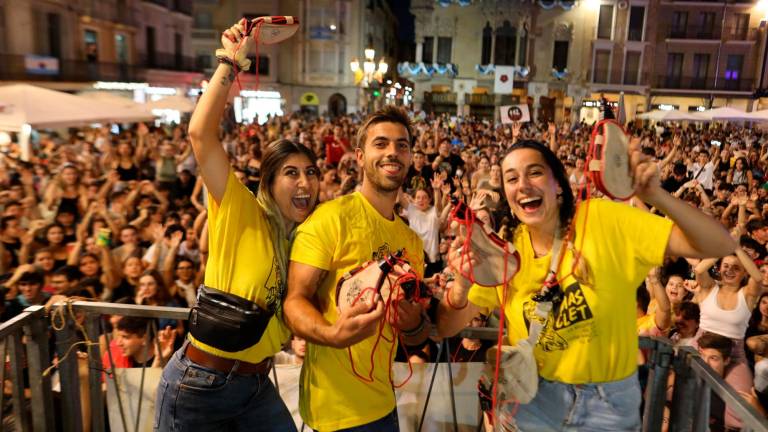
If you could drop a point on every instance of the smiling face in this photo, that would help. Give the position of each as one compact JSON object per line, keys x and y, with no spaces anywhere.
{"x":296,"y":187}
{"x":531,"y":188}
{"x":386,"y":156}
{"x":731,"y":271}
{"x":421,"y":200}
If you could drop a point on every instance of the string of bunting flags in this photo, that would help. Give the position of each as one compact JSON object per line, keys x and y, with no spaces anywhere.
{"x":446,"y":3}
{"x":551,"y":4}
{"x":559,"y":74}
{"x":520,"y":71}
{"x":545,"y":4}
{"x":414,"y":69}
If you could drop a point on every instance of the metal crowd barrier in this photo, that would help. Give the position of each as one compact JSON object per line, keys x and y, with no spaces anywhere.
{"x":694,"y":379}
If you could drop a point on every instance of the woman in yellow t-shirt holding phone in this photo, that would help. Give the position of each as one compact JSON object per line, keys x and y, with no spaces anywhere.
{"x":219,"y":379}
{"x":586,"y":353}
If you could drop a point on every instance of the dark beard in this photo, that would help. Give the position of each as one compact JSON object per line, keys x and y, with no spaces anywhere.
{"x":382,"y":184}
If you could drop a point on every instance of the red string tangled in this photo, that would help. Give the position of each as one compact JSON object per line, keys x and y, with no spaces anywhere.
{"x":394,"y":297}
{"x":464,"y":216}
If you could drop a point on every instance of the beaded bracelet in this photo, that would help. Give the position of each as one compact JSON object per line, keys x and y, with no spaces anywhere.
{"x":228,"y":61}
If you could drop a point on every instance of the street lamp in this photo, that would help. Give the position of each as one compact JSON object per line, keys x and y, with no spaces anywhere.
{"x":370,"y":71}
{"x":370,"y":76}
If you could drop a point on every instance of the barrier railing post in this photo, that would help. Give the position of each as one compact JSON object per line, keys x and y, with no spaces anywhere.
{"x":72,"y":417}
{"x":659,"y":362}
{"x":16,"y":351}
{"x":681,"y":415}
{"x":703,"y":394}
{"x":95,"y":366}
{"x":38,"y":360}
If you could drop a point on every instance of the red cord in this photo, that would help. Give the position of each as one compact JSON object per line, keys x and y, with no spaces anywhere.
{"x":393,"y":299}
{"x":249,"y":27}
{"x":553,"y":281}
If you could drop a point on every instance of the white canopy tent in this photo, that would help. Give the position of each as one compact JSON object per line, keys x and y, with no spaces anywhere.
{"x":671,"y":115}
{"x":24,"y":106}
{"x":108,"y":97}
{"x":758,"y":116}
{"x":38,"y":107}
{"x":725,"y":114}
{"x":175,"y":103}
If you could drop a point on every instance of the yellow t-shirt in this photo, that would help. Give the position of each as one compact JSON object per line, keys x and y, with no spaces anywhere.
{"x":339,"y":236}
{"x":592,"y":336}
{"x":241,"y":261}
{"x":646,"y":324}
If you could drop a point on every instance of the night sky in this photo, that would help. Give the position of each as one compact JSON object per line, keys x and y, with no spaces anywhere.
{"x":405,"y":19}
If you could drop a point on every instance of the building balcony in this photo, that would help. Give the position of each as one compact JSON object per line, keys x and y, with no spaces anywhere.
{"x":741,"y":34}
{"x":168,"y":61}
{"x":703,"y":83}
{"x":694,"y":32}
{"x":481,"y":99}
{"x":12,"y":67}
{"x":181,"y":6}
{"x":440,"y":98}
{"x":206,"y":34}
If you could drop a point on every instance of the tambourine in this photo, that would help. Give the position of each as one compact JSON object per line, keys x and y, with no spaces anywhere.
{"x":392,"y":278}
{"x":609,"y":160}
{"x":496,"y":257}
{"x":518,"y":372}
{"x":273,"y":29}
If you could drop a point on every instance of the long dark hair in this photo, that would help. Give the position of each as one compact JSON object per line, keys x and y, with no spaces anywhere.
{"x":756,"y":317}
{"x":567,"y":201}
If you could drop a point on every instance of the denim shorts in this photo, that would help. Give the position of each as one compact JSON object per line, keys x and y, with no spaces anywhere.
{"x":612,"y":406}
{"x":191,"y":397}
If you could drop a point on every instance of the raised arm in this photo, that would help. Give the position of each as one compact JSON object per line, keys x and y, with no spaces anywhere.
{"x":670,"y":157}
{"x":663,"y":315}
{"x":552,"y":131}
{"x":754,"y":287}
{"x":204,"y":124}
{"x":694,"y":234}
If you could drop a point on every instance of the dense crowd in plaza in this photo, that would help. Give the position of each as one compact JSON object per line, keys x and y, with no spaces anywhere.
{"x":123,"y":218}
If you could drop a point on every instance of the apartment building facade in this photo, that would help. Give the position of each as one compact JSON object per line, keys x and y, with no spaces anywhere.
{"x":653,"y":53}
{"x":311,"y":70}
{"x":69,"y":45}
{"x":709,"y":54}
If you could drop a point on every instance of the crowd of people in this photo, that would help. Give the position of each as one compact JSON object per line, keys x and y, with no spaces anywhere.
{"x":123,"y":217}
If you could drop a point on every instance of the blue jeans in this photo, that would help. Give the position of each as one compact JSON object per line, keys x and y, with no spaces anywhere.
{"x":612,"y":406}
{"x":194,"y":398}
{"x":388,"y":423}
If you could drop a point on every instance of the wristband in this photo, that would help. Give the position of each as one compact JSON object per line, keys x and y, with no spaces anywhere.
{"x":417,"y":330}
{"x":228,"y":61}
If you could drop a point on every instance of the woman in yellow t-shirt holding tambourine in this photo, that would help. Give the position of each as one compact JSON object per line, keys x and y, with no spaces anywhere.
{"x":586,"y":348}
{"x":219,"y":379}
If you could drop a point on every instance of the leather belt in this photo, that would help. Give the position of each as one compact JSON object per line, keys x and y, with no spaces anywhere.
{"x":225,"y":365}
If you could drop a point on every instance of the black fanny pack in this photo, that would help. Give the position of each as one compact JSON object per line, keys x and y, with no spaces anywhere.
{"x":225,"y":321}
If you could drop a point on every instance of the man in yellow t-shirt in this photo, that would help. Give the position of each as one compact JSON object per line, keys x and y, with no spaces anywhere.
{"x":340,"y":235}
